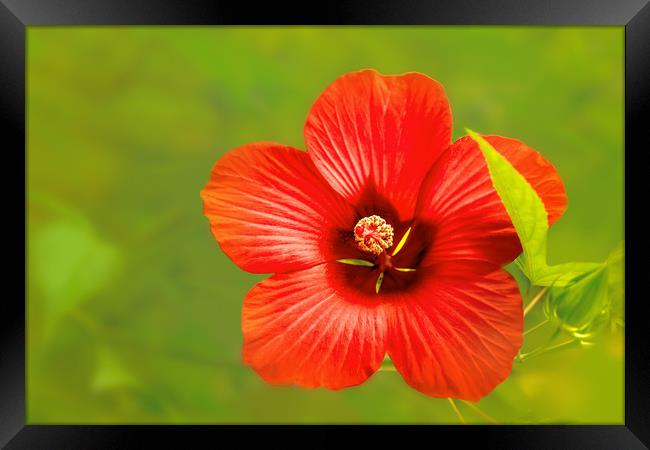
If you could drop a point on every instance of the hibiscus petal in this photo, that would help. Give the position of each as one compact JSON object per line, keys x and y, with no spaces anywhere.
{"x":459,"y":331}
{"x":271,"y":211}
{"x":368,"y":131}
{"x":458,"y":201}
{"x":307,"y":328}
{"x":462,"y":210}
{"x":540,"y":173}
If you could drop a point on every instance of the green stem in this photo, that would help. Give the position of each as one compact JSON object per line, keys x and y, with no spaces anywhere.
{"x":456,"y":410}
{"x":534,"y":301}
{"x":479,"y":411}
{"x":544,"y":322}
{"x":541,"y":350}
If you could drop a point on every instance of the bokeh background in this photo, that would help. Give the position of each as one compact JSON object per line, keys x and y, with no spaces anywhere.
{"x":133,"y":310}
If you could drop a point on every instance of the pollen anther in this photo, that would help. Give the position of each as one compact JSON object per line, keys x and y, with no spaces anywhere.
{"x":373,"y":235}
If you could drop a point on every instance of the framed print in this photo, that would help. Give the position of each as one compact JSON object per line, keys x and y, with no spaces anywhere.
{"x":368,"y":216}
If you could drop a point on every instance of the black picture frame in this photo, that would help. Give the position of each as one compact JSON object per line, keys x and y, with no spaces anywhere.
{"x":16,"y":15}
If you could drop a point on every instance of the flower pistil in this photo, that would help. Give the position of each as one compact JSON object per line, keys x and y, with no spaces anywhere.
{"x":374,"y":235}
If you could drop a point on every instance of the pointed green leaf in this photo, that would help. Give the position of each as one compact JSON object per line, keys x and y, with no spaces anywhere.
{"x":528,"y":215}
{"x":523,"y":205}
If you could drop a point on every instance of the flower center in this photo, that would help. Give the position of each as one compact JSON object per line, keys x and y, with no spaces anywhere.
{"x":373,"y":235}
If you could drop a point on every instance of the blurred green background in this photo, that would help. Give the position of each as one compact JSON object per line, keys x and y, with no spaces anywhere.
{"x":133,"y":310}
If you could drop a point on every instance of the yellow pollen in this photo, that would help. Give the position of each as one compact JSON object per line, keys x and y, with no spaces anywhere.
{"x":373,"y":235}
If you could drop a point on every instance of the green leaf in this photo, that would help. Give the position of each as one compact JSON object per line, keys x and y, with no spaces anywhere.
{"x":520,"y":277}
{"x":523,"y":205}
{"x":528,"y":215}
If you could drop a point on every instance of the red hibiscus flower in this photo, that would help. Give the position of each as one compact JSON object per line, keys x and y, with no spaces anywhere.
{"x":384,"y":238}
